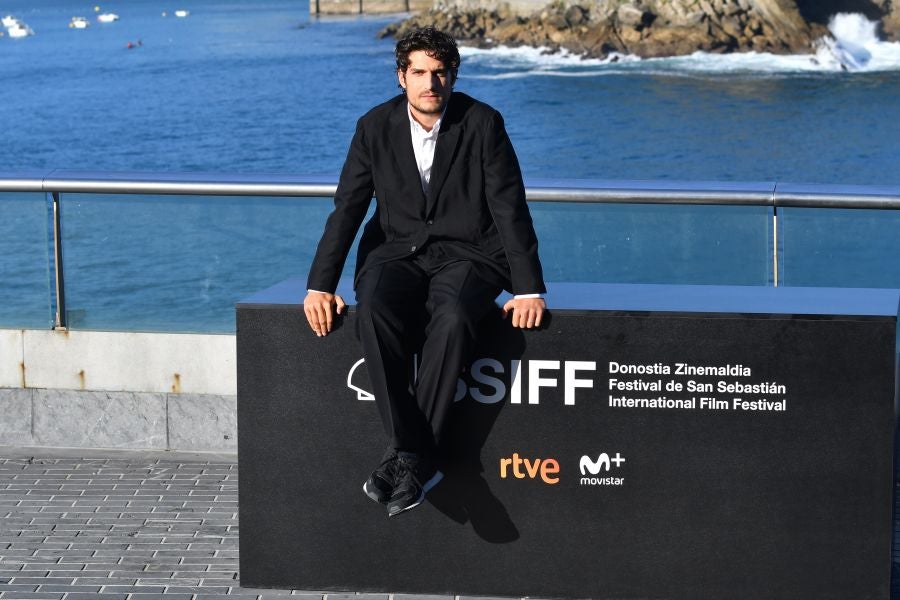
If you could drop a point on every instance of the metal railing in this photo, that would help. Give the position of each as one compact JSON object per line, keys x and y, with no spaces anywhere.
{"x":538,"y":190}
{"x":770,"y":194}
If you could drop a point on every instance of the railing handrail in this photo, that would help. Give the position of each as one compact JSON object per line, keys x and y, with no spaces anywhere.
{"x":601,"y":191}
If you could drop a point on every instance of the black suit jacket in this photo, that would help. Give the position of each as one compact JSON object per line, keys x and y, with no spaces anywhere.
{"x":475,"y":207}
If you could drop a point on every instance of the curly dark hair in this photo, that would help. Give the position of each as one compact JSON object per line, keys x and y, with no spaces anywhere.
{"x":436,"y":44}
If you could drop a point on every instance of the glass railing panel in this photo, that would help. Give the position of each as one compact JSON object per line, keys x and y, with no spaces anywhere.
{"x":25,"y":261}
{"x":655,"y":243}
{"x":179,"y":263}
{"x":819,"y":247}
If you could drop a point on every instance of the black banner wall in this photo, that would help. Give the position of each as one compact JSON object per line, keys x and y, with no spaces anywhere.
{"x":614,"y":454}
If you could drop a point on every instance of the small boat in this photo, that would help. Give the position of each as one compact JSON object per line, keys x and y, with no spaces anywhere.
{"x":108,"y":17}
{"x":79,"y":23}
{"x":182,"y":13}
{"x":19,"y":30}
{"x":9,"y":21}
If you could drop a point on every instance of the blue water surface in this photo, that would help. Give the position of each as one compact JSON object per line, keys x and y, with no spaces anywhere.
{"x":264,"y":88}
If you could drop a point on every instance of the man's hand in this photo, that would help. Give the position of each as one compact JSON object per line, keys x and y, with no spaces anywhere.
{"x":526,"y":312}
{"x":320,"y":308}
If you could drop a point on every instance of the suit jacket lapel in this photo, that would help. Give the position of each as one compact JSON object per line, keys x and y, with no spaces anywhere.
{"x":401,"y":143}
{"x":444,"y":152}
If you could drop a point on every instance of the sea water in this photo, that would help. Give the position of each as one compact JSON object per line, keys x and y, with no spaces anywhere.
{"x":264,"y":88}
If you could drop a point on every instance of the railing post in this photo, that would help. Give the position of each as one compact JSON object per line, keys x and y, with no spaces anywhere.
{"x":775,"y":246}
{"x":61,"y":321}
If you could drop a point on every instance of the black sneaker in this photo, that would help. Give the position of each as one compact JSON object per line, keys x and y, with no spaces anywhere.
{"x":380,"y":484}
{"x":416,"y":475}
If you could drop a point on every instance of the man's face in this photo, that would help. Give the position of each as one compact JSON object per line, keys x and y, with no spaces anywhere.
{"x":428,"y":85}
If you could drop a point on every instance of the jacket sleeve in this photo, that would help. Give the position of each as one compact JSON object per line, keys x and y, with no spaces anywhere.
{"x":505,"y":196}
{"x":351,"y":201}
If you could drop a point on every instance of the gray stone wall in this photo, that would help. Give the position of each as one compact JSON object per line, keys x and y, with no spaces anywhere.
{"x":515,"y":7}
{"x":100,"y":419}
{"x":354,"y":7}
{"x":95,"y":389}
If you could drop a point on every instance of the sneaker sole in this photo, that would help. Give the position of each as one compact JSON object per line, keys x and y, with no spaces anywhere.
{"x":374,"y":495}
{"x":435,"y":479}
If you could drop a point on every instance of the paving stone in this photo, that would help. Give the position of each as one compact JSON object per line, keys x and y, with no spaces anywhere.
{"x":279,"y":593}
{"x":12,"y":587}
{"x":221,"y":579}
{"x":162,"y":581}
{"x":104,"y":581}
{"x":41,"y":580}
{"x":76,"y":573}
{"x":104,"y":525}
{"x":134,"y":589}
{"x":197,"y":589}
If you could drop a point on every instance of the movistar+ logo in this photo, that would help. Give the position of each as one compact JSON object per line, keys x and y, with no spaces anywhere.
{"x":604,"y":463}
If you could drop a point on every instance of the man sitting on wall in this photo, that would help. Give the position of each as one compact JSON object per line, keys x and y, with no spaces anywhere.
{"x":451,"y":229}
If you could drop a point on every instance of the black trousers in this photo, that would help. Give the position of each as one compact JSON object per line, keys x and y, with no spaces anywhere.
{"x":429,"y":305}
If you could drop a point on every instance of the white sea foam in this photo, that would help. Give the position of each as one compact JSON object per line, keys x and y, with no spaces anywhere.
{"x":853,"y":46}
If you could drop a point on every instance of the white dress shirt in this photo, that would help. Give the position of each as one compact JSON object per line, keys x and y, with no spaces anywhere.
{"x":423,"y":142}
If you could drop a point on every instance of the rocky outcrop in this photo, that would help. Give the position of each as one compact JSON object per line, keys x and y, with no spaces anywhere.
{"x":890,"y":24}
{"x":646,"y":28}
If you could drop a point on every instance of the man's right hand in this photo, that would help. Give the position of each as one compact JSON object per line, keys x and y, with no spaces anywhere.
{"x":320,"y":308}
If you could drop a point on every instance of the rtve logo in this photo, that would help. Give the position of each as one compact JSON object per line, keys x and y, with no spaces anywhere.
{"x":521,"y":468}
{"x":491,"y":388}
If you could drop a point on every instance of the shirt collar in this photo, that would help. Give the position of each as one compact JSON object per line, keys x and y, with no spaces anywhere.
{"x":416,"y":127}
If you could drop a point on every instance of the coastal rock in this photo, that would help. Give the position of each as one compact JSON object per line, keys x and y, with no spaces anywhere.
{"x":646,"y":28}
{"x":891,"y":24}
{"x":629,"y":15}
{"x":576,"y":15}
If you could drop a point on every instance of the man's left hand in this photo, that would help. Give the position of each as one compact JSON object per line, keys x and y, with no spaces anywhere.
{"x":526,"y":312}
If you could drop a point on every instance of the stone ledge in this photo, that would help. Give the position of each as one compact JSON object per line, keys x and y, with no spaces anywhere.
{"x":124,"y":420}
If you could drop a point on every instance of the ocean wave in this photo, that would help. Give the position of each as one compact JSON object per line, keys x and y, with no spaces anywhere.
{"x":853,"y":47}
